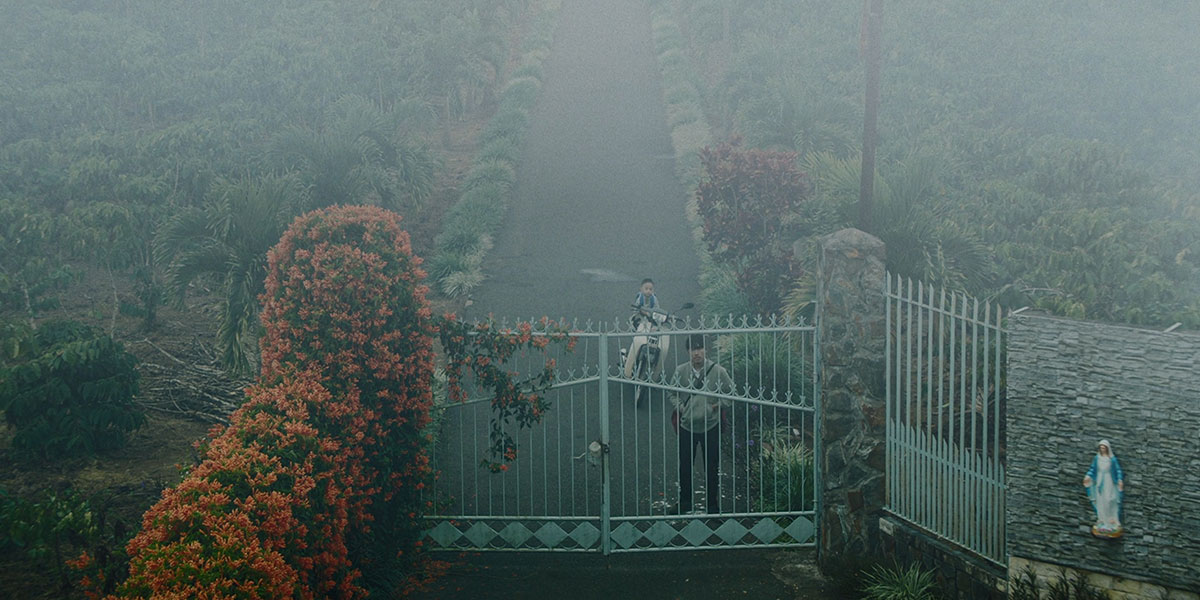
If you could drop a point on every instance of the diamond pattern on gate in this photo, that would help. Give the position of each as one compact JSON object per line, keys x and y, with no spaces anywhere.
{"x":660,"y":534}
{"x":696,"y":532}
{"x":626,"y":535}
{"x":731,"y":532}
{"x":480,"y":535}
{"x":766,"y":530}
{"x":551,"y":535}
{"x":586,"y":535}
{"x":515,"y":534}
{"x":801,"y":530}
{"x":444,"y":534}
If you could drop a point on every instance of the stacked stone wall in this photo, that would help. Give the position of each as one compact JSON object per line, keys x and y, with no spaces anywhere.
{"x":1070,"y":384}
{"x":1116,"y":587}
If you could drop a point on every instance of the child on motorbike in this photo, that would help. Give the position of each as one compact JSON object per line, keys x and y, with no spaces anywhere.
{"x":645,"y":296}
{"x":643,"y":303}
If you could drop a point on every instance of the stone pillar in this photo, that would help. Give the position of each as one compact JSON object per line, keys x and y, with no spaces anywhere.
{"x":851,"y":323}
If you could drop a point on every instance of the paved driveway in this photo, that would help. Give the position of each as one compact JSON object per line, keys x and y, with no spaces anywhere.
{"x":597,"y":208}
{"x":696,"y":575}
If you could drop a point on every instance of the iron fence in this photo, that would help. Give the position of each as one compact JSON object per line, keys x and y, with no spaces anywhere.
{"x":945,"y":415}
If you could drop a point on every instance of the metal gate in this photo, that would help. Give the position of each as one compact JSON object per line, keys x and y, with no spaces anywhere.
{"x":600,"y":471}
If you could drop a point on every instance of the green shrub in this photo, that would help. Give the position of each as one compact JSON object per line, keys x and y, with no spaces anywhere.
{"x":520,"y":93}
{"x":1025,"y":586}
{"x":536,"y":45}
{"x":784,"y":472}
{"x":690,"y":137}
{"x":719,"y":293}
{"x":782,"y":369}
{"x":483,"y":206}
{"x":913,"y":583}
{"x":444,"y":263}
{"x":682,"y":94}
{"x":674,"y":75}
{"x":1066,"y":587}
{"x":530,"y":69}
{"x":462,"y":236}
{"x":667,"y":35}
{"x":682,"y":114}
{"x":536,"y":53}
{"x":455,"y":260}
{"x":688,"y":167}
{"x":56,"y":527}
{"x":508,"y":124}
{"x":461,"y":282}
{"x":72,"y":394}
{"x":673,"y":60}
{"x":491,"y":172}
{"x":502,"y":149}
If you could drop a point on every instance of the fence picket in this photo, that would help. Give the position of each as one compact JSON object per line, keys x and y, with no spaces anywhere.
{"x":945,"y":466}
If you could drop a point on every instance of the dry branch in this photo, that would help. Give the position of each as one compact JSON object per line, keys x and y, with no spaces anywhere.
{"x":189,"y":388}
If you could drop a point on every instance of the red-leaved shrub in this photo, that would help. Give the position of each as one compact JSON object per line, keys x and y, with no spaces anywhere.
{"x":751,"y":202}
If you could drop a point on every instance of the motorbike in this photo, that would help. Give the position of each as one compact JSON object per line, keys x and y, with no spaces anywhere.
{"x":643,"y":358}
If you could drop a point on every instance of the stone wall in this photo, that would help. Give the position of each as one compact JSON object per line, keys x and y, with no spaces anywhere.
{"x":851,"y":328}
{"x":1073,"y":383}
{"x":1117,"y":588}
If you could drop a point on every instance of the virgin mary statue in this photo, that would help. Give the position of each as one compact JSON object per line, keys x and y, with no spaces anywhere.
{"x":1105,"y":485}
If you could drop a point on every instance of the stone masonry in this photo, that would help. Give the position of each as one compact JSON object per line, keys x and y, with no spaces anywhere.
{"x":1072,"y":383}
{"x":851,"y":329}
{"x":1117,"y":588}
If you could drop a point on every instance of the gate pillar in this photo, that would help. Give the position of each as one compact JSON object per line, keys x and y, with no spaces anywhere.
{"x":851,"y":326}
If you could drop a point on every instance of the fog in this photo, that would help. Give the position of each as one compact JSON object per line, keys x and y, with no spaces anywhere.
{"x":545,"y":157}
{"x":1005,"y":111}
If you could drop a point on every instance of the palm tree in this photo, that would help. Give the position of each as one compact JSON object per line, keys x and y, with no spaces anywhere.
{"x":226,"y":241}
{"x":463,"y":62}
{"x":787,"y":113}
{"x":359,"y":156}
{"x":924,"y":239}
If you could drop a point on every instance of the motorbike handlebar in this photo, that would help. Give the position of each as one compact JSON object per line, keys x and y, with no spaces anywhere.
{"x":654,"y":311}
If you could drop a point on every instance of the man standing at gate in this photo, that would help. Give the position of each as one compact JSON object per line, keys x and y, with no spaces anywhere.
{"x":698,"y":417}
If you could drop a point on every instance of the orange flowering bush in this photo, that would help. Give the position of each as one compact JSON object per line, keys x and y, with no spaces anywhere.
{"x":313,"y":491}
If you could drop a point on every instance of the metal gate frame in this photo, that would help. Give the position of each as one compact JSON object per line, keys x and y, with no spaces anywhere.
{"x":751,"y":456}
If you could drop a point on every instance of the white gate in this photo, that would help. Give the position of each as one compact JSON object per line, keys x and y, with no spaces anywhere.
{"x":600,"y":471}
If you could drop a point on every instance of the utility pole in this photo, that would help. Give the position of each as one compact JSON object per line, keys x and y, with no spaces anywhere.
{"x":872,"y":53}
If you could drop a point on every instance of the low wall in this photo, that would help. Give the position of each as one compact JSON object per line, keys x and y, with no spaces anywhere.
{"x":1117,"y":588}
{"x":958,"y":575}
{"x":1072,"y":383}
